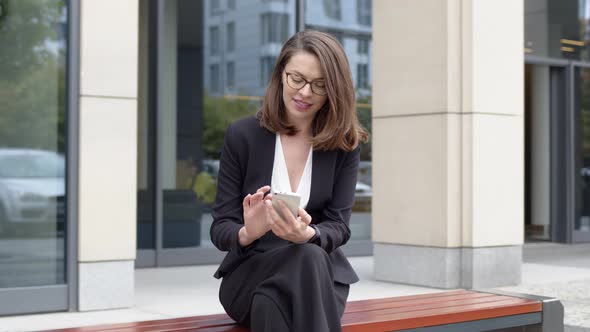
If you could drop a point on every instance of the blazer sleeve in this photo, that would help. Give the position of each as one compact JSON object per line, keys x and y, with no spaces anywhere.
{"x":334,"y":227}
{"x":227,"y":210}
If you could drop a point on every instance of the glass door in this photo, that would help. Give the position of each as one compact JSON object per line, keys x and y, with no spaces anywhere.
{"x":203,"y":65}
{"x":34,"y":99}
{"x":547,"y":156}
{"x":581,"y":223}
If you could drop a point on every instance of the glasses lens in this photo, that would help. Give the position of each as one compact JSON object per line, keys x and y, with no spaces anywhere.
{"x":296,"y":82}
{"x":319,"y":88}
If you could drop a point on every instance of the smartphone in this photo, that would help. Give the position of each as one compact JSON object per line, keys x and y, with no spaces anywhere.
{"x":291,"y":200}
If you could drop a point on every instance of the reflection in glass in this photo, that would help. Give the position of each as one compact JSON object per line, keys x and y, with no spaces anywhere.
{"x":146,"y":132}
{"x":538,"y":154}
{"x":350,"y":22}
{"x":558,"y":28}
{"x":32,"y":142}
{"x":583,"y":112}
{"x":213,"y":68}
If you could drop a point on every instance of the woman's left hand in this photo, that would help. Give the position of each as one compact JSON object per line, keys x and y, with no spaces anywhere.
{"x":292,"y":229}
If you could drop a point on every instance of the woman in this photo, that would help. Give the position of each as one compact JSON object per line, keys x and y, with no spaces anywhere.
{"x":288,"y":274}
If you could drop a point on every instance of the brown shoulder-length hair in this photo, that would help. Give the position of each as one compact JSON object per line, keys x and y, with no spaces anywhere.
{"x":336,"y":125}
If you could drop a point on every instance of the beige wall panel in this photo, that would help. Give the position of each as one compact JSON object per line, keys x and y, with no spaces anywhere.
{"x":454,"y":175}
{"x":412,"y":201}
{"x":466,"y":180}
{"x":108,"y":51}
{"x":497,"y":57}
{"x":107,"y":185}
{"x":454,"y":60}
{"x":410,"y":53}
{"x":497,"y":181}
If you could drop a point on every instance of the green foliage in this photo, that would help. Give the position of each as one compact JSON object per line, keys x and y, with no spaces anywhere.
{"x":32,"y":84}
{"x":219,"y":113}
{"x":205,"y":187}
{"x":364,"y":112}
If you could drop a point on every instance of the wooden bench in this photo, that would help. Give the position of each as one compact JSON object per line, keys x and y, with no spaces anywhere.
{"x":455,"y":311}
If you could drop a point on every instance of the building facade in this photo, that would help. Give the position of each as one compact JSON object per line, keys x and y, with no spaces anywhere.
{"x":112,"y":117}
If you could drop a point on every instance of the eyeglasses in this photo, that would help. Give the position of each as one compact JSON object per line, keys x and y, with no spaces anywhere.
{"x":297,"y":82}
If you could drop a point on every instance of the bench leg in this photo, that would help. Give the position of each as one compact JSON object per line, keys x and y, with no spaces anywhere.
{"x":552,"y":313}
{"x":552,"y":317}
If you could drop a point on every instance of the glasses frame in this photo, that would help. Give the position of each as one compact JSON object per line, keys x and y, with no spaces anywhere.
{"x":306,"y":83}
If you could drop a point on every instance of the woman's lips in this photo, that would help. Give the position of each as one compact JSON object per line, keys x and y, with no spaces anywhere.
{"x":301,"y":105}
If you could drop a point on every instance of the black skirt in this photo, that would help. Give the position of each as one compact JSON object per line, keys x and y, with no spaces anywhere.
{"x":290,"y":288}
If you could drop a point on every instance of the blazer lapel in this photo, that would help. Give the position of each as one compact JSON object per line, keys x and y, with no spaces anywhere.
{"x":322,"y":174}
{"x":265,"y":155}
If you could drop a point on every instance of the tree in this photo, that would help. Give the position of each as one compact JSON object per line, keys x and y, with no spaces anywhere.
{"x":32,"y":81}
{"x":218,"y":115}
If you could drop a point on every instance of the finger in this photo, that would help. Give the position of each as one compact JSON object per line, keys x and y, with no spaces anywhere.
{"x":276,"y":224}
{"x":305,"y":217}
{"x":257,"y":197}
{"x":268,"y":197}
{"x":263,"y":189}
{"x":272,"y":213}
{"x":290,"y":218}
{"x":246,"y":202}
{"x":277,"y":229}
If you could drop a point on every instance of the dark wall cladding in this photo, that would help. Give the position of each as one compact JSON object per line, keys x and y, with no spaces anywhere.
{"x":557,"y":28}
{"x":33,"y":95}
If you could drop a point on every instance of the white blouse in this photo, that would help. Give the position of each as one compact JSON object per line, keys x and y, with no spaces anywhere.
{"x":280,"y":176}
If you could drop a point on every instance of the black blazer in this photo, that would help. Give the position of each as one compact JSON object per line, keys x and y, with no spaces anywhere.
{"x":246,"y":164}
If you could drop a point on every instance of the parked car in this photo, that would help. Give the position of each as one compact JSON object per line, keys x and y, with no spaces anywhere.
{"x":211,"y":166}
{"x":363,"y":194}
{"x":32,"y":188}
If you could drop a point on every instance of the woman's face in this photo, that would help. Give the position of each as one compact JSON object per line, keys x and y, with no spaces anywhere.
{"x":302,"y":104}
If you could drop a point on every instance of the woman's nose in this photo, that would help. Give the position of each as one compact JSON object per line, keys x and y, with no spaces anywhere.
{"x":306,"y":90}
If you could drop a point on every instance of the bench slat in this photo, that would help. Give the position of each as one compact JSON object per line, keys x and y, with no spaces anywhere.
{"x":409,"y":297}
{"x":163,"y":322}
{"x":440,"y":301}
{"x":462,"y":301}
{"x":149,"y":323}
{"x":391,"y":314}
{"x":385,"y":321}
{"x":459,"y":304}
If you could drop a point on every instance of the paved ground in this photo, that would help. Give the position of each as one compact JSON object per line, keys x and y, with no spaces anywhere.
{"x":561,"y":271}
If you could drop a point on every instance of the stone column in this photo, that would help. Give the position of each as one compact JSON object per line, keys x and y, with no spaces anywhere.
{"x":448,"y":145}
{"x":108,"y":153}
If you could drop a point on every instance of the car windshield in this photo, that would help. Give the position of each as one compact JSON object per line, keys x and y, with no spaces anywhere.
{"x":31,"y":165}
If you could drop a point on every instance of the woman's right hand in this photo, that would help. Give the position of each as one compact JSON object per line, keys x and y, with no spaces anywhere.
{"x":255,"y":220}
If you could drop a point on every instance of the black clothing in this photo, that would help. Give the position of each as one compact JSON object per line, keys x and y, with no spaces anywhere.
{"x":272,"y":269}
{"x":285,"y":289}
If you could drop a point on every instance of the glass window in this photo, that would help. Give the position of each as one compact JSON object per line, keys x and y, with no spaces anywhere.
{"x":214,"y":6}
{"x":214,"y":40}
{"x":274,"y":28}
{"x":319,"y":15}
{"x":231,"y":4}
{"x":231,"y":75}
{"x":362,"y":76}
{"x":332,"y":9}
{"x":231,"y":36}
{"x":557,"y":29}
{"x":211,"y":77}
{"x":33,"y":90}
{"x":214,"y":78}
{"x":583,"y":116}
{"x":363,"y":46}
{"x":363,"y":12}
{"x":266,"y":65}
